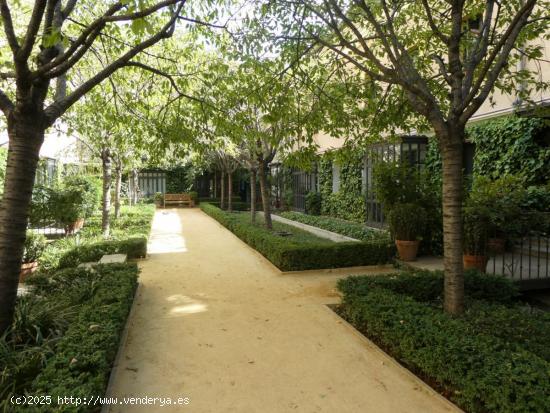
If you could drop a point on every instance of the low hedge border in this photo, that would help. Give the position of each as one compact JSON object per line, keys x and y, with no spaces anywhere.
{"x":337,"y":225}
{"x":132,"y":247}
{"x":491,"y":359}
{"x":83,"y":357}
{"x":289,"y":256}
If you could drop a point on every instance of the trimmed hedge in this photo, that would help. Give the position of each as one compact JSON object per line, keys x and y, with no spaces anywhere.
{"x":132,"y":247}
{"x":337,"y":225}
{"x":291,"y":256}
{"x":238,"y":205}
{"x":76,"y":360}
{"x":491,"y":359}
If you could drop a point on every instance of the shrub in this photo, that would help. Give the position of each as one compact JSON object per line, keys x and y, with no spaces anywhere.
{"x":407,"y":221}
{"x":313,"y":203}
{"x":132,"y":247}
{"x":34,"y":246}
{"x":65,"y":335}
{"x":427,"y":286}
{"x":84,"y":355}
{"x":293,"y":256}
{"x":475,"y":231}
{"x":493,"y":358}
{"x":337,"y":225}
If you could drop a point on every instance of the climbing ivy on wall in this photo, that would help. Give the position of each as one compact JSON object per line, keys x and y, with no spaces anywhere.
{"x":509,"y":145}
{"x":348,"y":203}
{"x":512,"y":145}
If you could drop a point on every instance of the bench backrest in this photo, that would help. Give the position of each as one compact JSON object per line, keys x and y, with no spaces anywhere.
{"x":177,"y":197}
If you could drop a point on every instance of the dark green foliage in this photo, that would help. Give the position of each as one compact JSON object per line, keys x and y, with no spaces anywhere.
{"x":34,"y":246}
{"x":507,"y":145}
{"x":492,"y":359}
{"x":76,"y":197}
{"x":238,"y":205}
{"x":128,"y":235}
{"x":396,"y":183}
{"x":339,"y":226}
{"x":537,"y":198}
{"x":407,"y":221}
{"x":66,"y":335}
{"x":400,"y":183}
{"x":133,"y":247}
{"x":289,"y":255}
{"x":348,"y":203}
{"x":179,"y":180}
{"x":313,"y":203}
{"x":476,"y":231}
{"x":427,"y":286}
{"x":512,"y":145}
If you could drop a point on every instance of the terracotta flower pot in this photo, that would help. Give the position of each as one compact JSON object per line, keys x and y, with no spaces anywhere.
{"x":407,"y":249}
{"x":476,"y":262}
{"x":496,"y":245}
{"x":27,"y":268}
{"x":75,"y":226}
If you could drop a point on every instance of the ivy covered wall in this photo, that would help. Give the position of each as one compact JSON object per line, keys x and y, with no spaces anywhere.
{"x":508,"y":145}
{"x":349,"y":202}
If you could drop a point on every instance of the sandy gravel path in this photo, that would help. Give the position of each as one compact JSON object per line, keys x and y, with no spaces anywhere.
{"x":215,"y":322}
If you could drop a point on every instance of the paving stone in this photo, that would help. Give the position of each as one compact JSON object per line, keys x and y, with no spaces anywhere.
{"x":113,"y":259}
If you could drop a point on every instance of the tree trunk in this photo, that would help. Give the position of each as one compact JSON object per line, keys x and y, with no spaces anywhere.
{"x":26,"y":135}
{"x":222,"y":189}
{"x":253,"y":195}
{"x":106,"y":200}
{"x":452,"y":221}
{"x":118,"y":185}
{"x":135,"y":187}
{"x":265,"y":194}
{"x":229,"y":191}
{"x":215,"y":184}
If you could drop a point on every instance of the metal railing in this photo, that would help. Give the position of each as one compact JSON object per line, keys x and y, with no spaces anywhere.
{"x":525,"y":257}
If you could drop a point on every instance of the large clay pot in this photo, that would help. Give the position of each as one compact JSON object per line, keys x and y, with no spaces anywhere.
{"x":496,"y":245}
{"x":27,"y":269}
{"x":476,"y":262}
{"x":407,"y":249}
{"x":75,"y":226}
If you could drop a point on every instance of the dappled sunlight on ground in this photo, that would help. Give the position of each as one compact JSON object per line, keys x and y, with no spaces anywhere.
{"x":183,"y":305}
{"x":166,"y":235}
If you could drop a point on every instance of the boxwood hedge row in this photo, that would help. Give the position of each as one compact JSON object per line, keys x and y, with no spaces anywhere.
{"x":494,"y":358}
{"x":291,"y":256}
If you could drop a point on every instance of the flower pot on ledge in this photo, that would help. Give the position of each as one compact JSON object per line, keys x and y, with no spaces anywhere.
{"x":27,"y":268}
{"x":475,"y":262}
{"x":407,"y":249}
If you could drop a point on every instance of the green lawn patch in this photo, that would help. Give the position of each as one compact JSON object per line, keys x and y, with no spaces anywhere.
{"x":337,"y":225}
{"x":300,"y":250}
{"x":494,"y":358}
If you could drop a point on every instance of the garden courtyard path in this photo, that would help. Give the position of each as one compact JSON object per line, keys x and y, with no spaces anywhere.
{"x":215,"y":322}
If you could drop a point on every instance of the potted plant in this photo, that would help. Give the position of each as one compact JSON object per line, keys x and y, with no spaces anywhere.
{"x":159,"y":198}
{"x":34,"y":247}
{"x":500,"y":200}
{"x":476,"y":225}
{"x":406,"y":223}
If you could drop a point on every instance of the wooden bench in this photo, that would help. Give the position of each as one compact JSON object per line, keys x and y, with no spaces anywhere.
{"x":183,"y":199}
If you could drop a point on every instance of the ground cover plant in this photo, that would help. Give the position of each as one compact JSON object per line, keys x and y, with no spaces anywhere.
{"x":65,"y":335}
{"x":128,"y":236}
{"x":337,"y":225}
{"x":493,"y":358}
{"x":301,"y":250}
